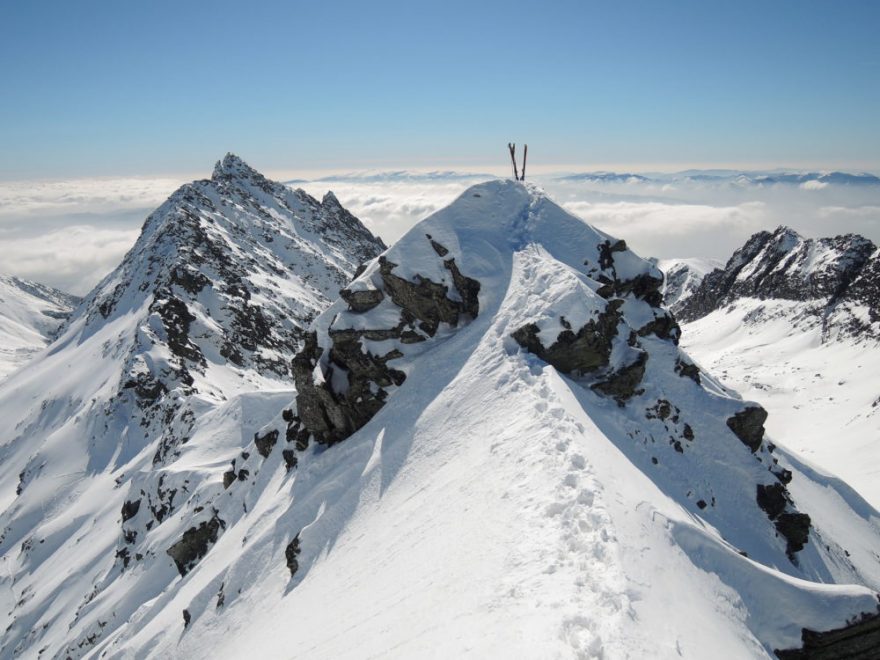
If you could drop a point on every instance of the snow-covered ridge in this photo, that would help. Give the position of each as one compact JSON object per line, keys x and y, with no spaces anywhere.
{"x":30,"y":315}
{"x":551,"y":290}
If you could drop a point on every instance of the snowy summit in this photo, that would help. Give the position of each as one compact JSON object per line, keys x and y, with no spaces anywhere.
{"x":495,"y":447}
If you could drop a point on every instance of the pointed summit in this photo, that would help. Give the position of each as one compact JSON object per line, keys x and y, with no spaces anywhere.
{"x":330,"y":200}
{"x":233,"y":166}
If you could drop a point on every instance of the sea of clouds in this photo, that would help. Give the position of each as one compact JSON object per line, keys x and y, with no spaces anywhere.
{"x":69,"y":234}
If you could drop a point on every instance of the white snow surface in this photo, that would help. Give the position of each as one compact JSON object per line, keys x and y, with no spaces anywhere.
{"x":823,"y":397}
{"x":492,"y":508}
{"x":30,"y":314}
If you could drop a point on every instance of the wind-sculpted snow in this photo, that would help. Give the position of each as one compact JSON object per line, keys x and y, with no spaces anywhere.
{"x":211,"y":302}
{"x":445,"y":483}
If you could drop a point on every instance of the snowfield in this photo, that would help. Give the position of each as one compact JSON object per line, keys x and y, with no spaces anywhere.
{"x":823,"y":398}
{"x":492,"y":505}
{"x":30,"y":315}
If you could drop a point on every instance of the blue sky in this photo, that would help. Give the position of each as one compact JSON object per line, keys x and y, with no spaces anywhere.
{"x":118,"y":88}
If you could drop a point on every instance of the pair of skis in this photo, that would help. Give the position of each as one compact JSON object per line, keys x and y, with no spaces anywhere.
{"x":516,"y":175}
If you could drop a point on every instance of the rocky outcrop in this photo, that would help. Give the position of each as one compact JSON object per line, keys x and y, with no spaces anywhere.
{"x":623,"y":383}
{"x":858,"y":640}
{"x":363,"y":300}
{"x":265,"y":442}
{"x":576,"y":353}
{"x":291,"y":552}
{"x":194,"y":544}
{"x":748,"y":426}
{"x":329,"y":412}
{"x":588,"y":350}
{"x":687,"y":370}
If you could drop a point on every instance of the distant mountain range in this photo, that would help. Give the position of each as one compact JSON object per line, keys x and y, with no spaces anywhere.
{"x":731,"y":177}
{"x":742,"y":178}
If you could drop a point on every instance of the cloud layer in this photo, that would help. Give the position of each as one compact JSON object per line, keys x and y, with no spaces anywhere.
{"x":71,"y":233}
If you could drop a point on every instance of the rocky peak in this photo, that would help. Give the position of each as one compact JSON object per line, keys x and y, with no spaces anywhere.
{"x":783,"y":265}
{"x":231,"y":166}
{"x":330,"y":201}
{"x":226,"y":274}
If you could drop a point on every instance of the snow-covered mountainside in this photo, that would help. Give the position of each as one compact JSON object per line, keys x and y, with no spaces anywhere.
{"x":30,"y":315}
{"x":209,"y":305}
{"x":682,"y":277}
{"x":495,"y":449}
{"x":830,"y":283}
{"x":823,"y":397}
{"x":793,"y":323}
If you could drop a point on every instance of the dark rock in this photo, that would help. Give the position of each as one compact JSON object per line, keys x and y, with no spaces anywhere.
{"x":748,"y":426}
{"x":687,"y":370}
{"x":663,"y":326}
{"x":189,"y":279}
{"x":664,"y":409}
{"x":266,"y":442}
{"x":772,"y":499}
{"x":186,"y":618}
{"x":176,"y":319}
{"x":439,"y":249}
{"x":124,"y":555}
{"x":287,"y":415}
{"x":645,"y":287}
{"x":290,"y":460}
{"x":427,"y":301}
{"x":858,"y":640}
{"x":688,"y":432}
{"x":147,"y":387}
{"x":576,"y":353}
{"x":362,"y":300}
{"x":783,"y":475}
{"x":702,"y":504}
{"x":291,"y":552}
{"x":780,"y":265}
{"x":468,"y":289}
{"x":228,"y":478}
{"x":330,"y":416}
{"x":130,"y":509}
{"x":795,"y":529}
{"x":194,"y":544}
{"x":621,"y":385}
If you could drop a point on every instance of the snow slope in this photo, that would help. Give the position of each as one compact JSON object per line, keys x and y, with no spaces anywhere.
{"x":792,"y":323}
{"x":491,"y":505}
{"x":209,"y":305}
{"x":30,"y":314}
{"x":823,"y":397}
